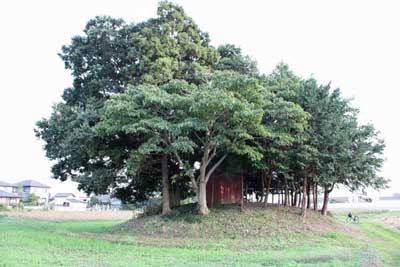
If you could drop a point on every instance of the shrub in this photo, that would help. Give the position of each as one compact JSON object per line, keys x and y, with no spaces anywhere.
{"x":152,"y":210}
{"x":32,"y":200}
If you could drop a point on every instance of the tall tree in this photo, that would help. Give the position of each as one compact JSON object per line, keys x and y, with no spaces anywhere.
{"x":108,"y":57}
{"x":151,"y":112}
{"x":287,"y":121}
{"x":208,"y":121}
{"x":332,"y":135}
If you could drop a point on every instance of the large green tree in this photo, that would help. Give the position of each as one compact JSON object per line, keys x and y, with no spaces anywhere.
{"x":149,"y":101}
{"x":151,"y":112}
{"x":287,"y":121}
{"x":193,"y":123}
{"x":339,"y":145}
{"x":108,"y":57}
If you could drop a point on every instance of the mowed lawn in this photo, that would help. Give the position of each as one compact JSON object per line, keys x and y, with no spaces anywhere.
{"x":28,"y":242}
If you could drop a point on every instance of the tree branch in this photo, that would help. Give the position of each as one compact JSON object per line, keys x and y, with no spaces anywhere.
{"x":215,"y":167}
{"x":198,"y":137}
{"x":213,"y":154}
{"x":330,"y":190}
{"x":189,"y":173}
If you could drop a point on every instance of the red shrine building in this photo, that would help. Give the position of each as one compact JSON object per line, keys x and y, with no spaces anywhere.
{"x":225,"y":188}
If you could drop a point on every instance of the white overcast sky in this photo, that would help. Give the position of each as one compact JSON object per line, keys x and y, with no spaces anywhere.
{"x":353,"y":44}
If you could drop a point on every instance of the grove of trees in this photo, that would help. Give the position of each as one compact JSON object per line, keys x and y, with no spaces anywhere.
{"x":155,"y":108}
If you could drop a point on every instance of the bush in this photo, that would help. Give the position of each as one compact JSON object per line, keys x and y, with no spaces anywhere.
{"x":152,"y":210}
{"x":128,"y":206}
{"x":150,"y":207}
{"x":32,"y":200}
{"x":3,"y":208}
{"x":19,"y":206}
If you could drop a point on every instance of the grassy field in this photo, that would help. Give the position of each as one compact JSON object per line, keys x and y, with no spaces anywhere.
{"x":31,"y":242}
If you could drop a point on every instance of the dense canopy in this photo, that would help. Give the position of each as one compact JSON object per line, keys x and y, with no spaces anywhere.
{"x":155,"y":108}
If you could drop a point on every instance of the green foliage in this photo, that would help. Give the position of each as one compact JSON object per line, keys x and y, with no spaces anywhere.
{"x":94,"y":201}
{"x":345,"y":152}
{"x":158,"y":87}
{"x":108,"y":57}
{"x":31,"y":200}
{"x":232,"y":59}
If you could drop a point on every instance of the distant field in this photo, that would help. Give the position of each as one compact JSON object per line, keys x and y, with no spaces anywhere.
{"x":71,"y":215}
{"x":388,"y":205}
{"x":112,"y":243}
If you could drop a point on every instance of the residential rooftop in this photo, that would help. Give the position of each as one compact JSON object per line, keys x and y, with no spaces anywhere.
{"x":31,"y":183}
{"x":64,"y":195}
{"x":5,"y":184}
{"x":8,"y":194}
{"x":73,"y":200}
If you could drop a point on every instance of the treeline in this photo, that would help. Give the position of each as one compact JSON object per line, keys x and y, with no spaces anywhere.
{"x":155,"y":108}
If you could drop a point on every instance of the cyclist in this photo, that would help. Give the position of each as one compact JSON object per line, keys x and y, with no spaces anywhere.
{"x":352,"y":218}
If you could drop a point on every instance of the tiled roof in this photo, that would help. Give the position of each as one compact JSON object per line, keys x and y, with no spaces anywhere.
{"x":63,"y":195}
{"x":8,"y":195}
{"x":73,"y":200}
{"x":31,"y":183}
{"x":5,"y":184}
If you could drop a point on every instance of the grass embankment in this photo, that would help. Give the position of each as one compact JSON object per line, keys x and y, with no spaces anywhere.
{"x":383,"y":235}
{"x":253,"y":237}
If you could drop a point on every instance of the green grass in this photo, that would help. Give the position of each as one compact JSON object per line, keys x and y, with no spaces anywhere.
{"x":25,"y":242}
{"x":385,"y":239}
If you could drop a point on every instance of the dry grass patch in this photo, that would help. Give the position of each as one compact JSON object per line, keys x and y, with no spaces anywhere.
{"x":391,"y":221}
{"x":71,"y":215}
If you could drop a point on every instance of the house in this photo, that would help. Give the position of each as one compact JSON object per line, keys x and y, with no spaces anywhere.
{"x":9,"y":199}
{"x":27,"y":187}
{"x":72,"y":204}
{"x":224,"y":188}
{"x":59,"y":198}
{"x":106,"y":202}
{"x":7,"y":187}
{"x":68,"y":202}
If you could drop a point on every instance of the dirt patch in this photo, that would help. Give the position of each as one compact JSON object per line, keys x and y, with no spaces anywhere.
{"x":391,"y":221}
{"x":71,"y":215}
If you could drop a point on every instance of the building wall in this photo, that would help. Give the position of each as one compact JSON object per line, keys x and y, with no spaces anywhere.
{"x":42,"y":193}
{"x":225,"y":189}
{"x":72,"y":207}
{"x":9,"y":201}
{"x":7,"y":189}
{"x":59,"y":201}
{"x":4,"y":201}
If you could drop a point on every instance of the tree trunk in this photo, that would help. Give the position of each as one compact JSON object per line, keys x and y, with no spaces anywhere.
{"x":315,"y":196}
{"x":166,"y":209}
{"x":308,"y":195}
{"x":202,"y":195}
{"x":300,"y":199}
{"x":327,"y":191}
{"x":267,"y":189}
{"x":262,"y":186}
{"x":291,"y":197}
{"x":295,"y":199}
{"x":202,"y":192}
{"x":303,"y":201}
{"x":204,"y":177}
{"x":285,"y":184}
{"x":175,"y":196}
{"x":279,"y":197}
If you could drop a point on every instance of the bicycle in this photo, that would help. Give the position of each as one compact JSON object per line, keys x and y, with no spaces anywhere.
{"x":352,"y":218}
